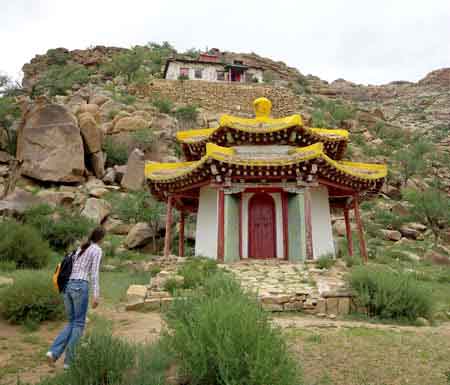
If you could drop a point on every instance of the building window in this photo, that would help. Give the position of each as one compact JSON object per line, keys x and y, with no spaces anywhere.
{"x":220,"y":75}
{"x":184,"y":73}
{"x":198,"y":73}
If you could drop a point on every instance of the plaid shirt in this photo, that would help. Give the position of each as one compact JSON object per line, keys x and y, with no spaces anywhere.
{"x":87,"y":264}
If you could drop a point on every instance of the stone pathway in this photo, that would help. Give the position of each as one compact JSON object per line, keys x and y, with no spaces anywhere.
{"x":284,"y":286}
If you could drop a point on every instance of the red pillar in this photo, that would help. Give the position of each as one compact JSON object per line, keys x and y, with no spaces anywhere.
{"x":168,"y":237}
{"x":348,"y":231}
{"x":308,"y":222}
{"x":284,"y":206}
{"x":362,"y":241}
{"x":240,"y":224}
{"x":181,"y":235}
{"x":221,"y":226}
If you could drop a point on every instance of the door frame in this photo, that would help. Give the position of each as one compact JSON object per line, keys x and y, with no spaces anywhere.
{"x":250,"y":227}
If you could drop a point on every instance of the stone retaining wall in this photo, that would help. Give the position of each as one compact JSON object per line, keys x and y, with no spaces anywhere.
{"x":225,"y":97}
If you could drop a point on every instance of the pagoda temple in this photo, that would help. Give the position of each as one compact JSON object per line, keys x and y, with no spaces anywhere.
{"x":264,"y":188}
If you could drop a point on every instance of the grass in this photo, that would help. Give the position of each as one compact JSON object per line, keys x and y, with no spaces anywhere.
{"x":363,"y":356}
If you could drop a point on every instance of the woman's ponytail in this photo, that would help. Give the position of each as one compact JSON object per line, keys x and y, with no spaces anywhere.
{"x":96,"y":236}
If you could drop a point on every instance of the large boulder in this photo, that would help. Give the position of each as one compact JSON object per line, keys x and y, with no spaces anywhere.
{"x":50,"y":145}
{"x":134,"y":176}
{"x":18,"y":201}
{"x":130,"y":123}
{"x":139,"y":235}
{"x":57,"y":198}
{"x":96,"y":209}
{"x":391,"y":235}
{"x":98,"y":164}
{"x":91,"y":132}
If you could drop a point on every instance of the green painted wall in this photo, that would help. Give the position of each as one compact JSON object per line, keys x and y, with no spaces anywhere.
{"x":231,"y":247}
{"x":296,"y":225}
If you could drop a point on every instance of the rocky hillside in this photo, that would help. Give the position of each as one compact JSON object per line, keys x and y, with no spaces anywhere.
{"x":81,"y":117}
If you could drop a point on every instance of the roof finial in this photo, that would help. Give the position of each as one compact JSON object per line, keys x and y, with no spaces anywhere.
{"x":263,"y":108}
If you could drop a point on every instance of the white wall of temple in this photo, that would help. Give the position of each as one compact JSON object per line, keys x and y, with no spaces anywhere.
{"x":206,"y":231}
{"x":278,"y":223}
{"x":322,"y":235}
{"x":208,"y":72}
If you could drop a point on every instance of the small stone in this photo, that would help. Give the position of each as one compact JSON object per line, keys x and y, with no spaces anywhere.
{"x":137,"y":292}
{"x":420,"y":321}
{"x":332,"y":316}
{"x":6,"y":281}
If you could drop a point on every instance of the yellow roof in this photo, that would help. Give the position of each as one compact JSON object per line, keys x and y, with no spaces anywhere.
{"x":167,"y":172}
{"x":248,"y":125}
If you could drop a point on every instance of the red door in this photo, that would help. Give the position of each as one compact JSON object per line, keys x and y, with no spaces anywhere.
{"x":261,"y":227}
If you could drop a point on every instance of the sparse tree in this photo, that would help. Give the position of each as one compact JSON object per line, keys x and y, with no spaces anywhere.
{"x":411,"y":160}
{"x":430,"y":206}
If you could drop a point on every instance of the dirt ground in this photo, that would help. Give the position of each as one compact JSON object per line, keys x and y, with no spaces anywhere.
{"x":331,"y":352}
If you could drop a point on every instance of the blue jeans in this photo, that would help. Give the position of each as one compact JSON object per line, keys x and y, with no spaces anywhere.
{"x":76,"y":299}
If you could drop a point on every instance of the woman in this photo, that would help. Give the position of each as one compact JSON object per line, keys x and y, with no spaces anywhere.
{"x":86,"y":262}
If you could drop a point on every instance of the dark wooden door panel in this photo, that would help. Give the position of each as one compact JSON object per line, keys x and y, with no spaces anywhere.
{"x":262,"y":232}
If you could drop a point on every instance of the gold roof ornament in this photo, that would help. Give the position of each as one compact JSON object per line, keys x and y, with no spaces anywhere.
{"x":263,"y":108}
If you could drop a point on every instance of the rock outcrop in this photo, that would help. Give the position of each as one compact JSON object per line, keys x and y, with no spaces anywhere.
{"x":134,"y":177}
{"x":50,"y":145}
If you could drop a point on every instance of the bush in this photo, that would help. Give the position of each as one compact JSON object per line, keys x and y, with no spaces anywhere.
{"x":351,"y":261}
{"x":31,"y":299}
{"x":325,"y":262}
{"x":172,"y":285}
{"x":196,"y":270}
{"x":126,"y":63}
{"x":116,"y":153}
{"x":222,"y":336}
{"x":163,"y":105}
{"x":187,"y":113}
{"x":390,"y":294}
{"x":23,"y":245}
{"x":9,"y":112}
{"x":61,"y":78}
{"x":143,"y":139}
{"x":57,"y":56}
{"x":60,"y":227}
{"x":330,"y":113}
{"x":101,"y":359}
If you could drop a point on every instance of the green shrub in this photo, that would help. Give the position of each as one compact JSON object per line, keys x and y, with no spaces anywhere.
{"x":163,"y":105}
{"x":7,"y":265}
{"x":196,"y":270}
{"x":328,"y":113}
{"x":126,"y":63}
{"x":143,"y":139}
{"x":31,"y":299}
{"x":60,"y":227}
{"x":61,"y":78}
{"x":57,"y":56}
{"x":154,"y":270}
{"x":116,"y":153}
{"x":390,"y":294}
{"x":222,"y":336}
{"x":325,"y":262}
{"x":101,"y":359}
{"x":23,"y":245}
{"x":351,"y":261}
{"x":172,"y":285}
{"x":187,"y":113}
{"x":9,"y":112}
{"x":124,"y":98}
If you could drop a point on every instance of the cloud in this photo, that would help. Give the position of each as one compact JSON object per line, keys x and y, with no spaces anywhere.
{"x":361,"y":41}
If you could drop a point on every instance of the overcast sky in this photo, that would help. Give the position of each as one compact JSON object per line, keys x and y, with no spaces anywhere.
{"x":365,"y":41}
